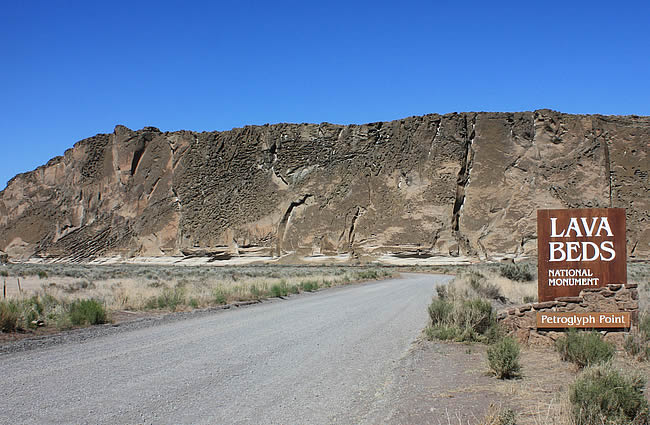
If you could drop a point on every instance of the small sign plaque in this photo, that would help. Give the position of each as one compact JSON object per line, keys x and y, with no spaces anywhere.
{"x":557,"y":320}
{"x":579,"y":249}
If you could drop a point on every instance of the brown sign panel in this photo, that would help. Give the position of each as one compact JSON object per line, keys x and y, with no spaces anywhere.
{"x":579,"y":249}
{"x":556,"y":320}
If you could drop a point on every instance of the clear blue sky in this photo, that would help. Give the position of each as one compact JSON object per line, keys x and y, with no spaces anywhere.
{"x":72,"y":69}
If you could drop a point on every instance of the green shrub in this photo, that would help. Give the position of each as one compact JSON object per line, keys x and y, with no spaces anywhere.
{"x":529,"y":299}
{"x":309,"y":285}
{"x":87,"y":312}
{"x":498,"y":415}
{"x":441,"y":290}
{"x":61,"y":321}
{"x":170,"y":299}
{"x":476,"y":314}
{"x":368,"y":275}
{"x":257,"y":292}
{"x":32,"y":311}
{"x":460,"y":318}
{"x":442,"y":332}
{"x":220,"y":296}
{"x":439,"y":310}
{"x":42,"y":274}
{"x":484,"y":288}
{"x":38,"y":303}
{"x":603,"y":395}
{"x":495,"y":333}
{"x":519,"y":272}
{"x":45,"y":309}
{"x":468,"y":334}
{"x":584,"y":348}
{"x":279,"y":289}
{"x":49,"y":303}
{"x":293,"y":289}
{"x":4,"y":273}
{"x":8,"y":316}
{"x":507,"y":417}
{"x":39,"y":307}
{"x":503,"y":358}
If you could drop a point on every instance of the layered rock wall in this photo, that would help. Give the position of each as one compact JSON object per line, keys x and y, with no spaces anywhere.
{"x":456,"y":184}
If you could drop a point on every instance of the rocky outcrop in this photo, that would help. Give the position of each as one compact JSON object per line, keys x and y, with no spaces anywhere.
{"x":458,"y":184}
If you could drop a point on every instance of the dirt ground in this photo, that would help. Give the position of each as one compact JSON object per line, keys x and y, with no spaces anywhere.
{"x":441,"y":383}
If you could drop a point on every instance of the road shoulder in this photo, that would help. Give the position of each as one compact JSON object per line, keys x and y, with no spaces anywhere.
{"x":440,"y":383}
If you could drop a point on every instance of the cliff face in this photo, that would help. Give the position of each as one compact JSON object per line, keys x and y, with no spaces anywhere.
{"x":458,"y":184}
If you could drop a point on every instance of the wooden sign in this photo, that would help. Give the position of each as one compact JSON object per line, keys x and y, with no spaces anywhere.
{"x":556,"y":320}
{"x":579,"y":249}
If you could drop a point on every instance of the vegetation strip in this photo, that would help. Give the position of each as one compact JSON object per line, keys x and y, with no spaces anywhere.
{"x":70,"y":296}
{"x":604,"y":391}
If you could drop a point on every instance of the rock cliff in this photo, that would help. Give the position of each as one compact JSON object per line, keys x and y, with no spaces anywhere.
{"x":462,"y":184}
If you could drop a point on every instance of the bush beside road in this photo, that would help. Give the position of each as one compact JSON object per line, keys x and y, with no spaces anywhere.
{"x":463,"y":312}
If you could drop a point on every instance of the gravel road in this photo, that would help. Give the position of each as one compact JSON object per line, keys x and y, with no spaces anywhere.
{"x":313,"y":359}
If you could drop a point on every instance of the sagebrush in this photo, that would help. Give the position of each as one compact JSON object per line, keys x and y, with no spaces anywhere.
{"x":44,"y":309}
{"x":503,"y":358}
{"x":604,"y":395}
{"x":519,"y":272}
{"x":455,"y":315}
{"x":584,"y":348}
{"x":87,"y":312}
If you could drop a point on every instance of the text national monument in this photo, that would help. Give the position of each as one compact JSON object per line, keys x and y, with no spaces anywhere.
{"x":580,"y":249}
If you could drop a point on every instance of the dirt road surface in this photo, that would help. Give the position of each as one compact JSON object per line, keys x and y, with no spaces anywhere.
{"x":317,"y":358}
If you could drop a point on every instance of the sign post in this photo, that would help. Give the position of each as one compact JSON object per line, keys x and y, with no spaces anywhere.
{"x":580,"y":249}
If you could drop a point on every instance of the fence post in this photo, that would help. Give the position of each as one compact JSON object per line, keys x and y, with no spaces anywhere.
{"x":20,"y":290}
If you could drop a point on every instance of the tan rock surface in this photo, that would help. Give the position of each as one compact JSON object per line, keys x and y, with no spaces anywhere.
{"x":459,"y":184}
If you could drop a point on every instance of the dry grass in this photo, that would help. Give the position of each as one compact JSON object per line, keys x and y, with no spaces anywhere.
{"x":540,"y":396}
{"x":136,"y":287}
{"x":522,"y":292}
{"x":499,"y":415}
{"x":556,"y":412}
{"x":639,"y":273}
{"x":134,"y":294}
{"x":487,"y":276}
{"x":516,"y":292}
